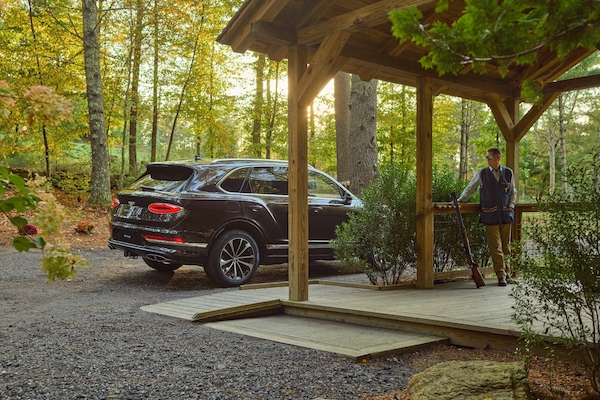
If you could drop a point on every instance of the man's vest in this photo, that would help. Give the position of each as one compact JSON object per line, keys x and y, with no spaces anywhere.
{"x":494,"y":195}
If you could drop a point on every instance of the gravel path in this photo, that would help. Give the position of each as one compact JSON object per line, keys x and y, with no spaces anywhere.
{"x":88,"y":339}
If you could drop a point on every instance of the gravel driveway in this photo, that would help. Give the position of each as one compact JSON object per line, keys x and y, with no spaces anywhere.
{"x":88,"y":339}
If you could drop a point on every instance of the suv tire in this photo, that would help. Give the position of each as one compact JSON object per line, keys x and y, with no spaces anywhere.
{"x":233,"y":259}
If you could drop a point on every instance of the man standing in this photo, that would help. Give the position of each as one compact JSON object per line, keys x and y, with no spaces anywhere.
{"x":498,"y":197}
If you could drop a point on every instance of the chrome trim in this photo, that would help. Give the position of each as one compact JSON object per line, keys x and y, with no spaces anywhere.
{"x":310,"y":246}
{"x":137,"y":247}
{"x":200,"y":245}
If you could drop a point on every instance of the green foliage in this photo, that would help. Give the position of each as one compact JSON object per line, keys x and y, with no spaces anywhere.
{"x":380,"y":239}
{"x":71,"y":182}
{"x":532,"y":91}
{"x":503,"y":32}
{"x":558,"y":297}
{"x":448,"y":247}
{"x":57,"y":260}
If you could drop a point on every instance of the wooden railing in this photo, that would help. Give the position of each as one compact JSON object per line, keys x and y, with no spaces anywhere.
{"x":473,"y":208}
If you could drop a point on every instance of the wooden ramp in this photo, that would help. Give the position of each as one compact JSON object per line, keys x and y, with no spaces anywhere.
{"x":223,"y":305}
{"x":353,"y":341}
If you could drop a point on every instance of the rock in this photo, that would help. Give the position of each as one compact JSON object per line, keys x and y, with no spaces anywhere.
{"x":471,"y":380}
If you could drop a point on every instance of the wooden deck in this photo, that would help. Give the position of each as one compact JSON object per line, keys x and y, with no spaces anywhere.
{"x":460,"y":312}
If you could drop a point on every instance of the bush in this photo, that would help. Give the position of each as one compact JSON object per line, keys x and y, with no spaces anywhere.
{"x":70,"y":182}
{"x":448,"y":247}
{"x":57,"y":260}
{"x":558,"y":297}
{"x":381,"y":239}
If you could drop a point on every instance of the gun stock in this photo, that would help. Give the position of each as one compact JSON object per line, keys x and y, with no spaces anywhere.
{"x":477,"y":277}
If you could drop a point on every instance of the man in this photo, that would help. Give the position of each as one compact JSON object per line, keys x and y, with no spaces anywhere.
{"x":498,"y":197}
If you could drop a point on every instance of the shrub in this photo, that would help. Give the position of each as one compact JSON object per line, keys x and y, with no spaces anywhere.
{"x":448,"y":247}
{"x":71,"y":182}
{"x":57,"y":260}
{"x":380,"y":239}
{"x":558,"y":296}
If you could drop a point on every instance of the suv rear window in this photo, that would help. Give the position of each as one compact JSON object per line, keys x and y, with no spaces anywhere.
{"x":163,"y":178}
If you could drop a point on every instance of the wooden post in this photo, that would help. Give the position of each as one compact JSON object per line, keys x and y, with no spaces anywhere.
{"x":297,"y":178}
{"x":424,"y":210}
{"x":511,"y":159}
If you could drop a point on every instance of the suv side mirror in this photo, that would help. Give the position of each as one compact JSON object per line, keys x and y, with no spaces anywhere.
{"x":347,"y":198}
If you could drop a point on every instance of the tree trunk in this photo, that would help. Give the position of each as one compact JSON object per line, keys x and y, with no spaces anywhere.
{"x":258,"y":105}
{"x":464,"y":140}
{"x":551,"y":162}
{"x":562,"y":146}
{"x":269,"y":138}
{"x":363,"y":128}
{"x":41,"y":81}
{"x":154,"y":135}
{"x":125,"y":116}
{"x":341,"y":84}
{"x":135,"y":79}
{"x":100,"y":182}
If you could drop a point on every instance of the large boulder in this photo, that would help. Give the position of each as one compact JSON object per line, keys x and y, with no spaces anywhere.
{"x":471,"y":380}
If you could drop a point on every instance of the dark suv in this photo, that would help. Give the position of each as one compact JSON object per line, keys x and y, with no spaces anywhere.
{"x":227,"y":215}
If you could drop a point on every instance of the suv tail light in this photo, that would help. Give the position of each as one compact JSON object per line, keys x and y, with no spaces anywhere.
{"x":157,"y":238}
{"x":115,"y":203}
{"x":163,"y":208}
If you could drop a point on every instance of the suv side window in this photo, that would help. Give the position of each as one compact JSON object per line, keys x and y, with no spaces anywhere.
{"x":321,"y":186}
{"x":269,"y":180}
{"x":234,"y":181}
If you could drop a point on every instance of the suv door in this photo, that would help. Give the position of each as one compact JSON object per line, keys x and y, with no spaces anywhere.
{"x":267,"y":204}
{"x":327,"y":208}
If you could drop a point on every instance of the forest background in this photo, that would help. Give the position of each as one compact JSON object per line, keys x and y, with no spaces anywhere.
{"x":171,"y":91}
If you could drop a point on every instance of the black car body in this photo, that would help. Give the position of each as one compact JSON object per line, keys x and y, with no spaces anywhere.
{"x":227,"y":215}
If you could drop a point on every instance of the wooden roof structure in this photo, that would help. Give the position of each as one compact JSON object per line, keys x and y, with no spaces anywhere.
{"x":323,"y":37}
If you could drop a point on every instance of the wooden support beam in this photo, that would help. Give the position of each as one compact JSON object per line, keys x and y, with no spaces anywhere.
{"x":503,"y":118}
{"x":362,"y":18}
{"x":511,"y":159}
{"x":534,"y":114}
{"x":574,"y":58}
{"x":567,"y":85}
{"x":413,"y":69}
{"x":268,"y":10}
{"x":366,"y":73}
{"x":324,"y":65}
{"x":272,"y":33}
{"x":393,"y":47}
{"x":311,"y":11}
{"x":297,"y":178}
{"x":425,"y":275}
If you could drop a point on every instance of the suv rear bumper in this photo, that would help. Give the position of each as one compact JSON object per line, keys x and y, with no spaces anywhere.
{"x":193,"y":256}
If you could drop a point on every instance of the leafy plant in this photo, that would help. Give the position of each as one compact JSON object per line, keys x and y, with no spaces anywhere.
{"x":380,"y":240}
{"x":57,"y":260}
{"x":448,"y":247}
{"x":71,"y":182}
{"x":558,"y":297}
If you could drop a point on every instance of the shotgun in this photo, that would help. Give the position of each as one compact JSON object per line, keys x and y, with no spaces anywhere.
{"x":477,"y":278}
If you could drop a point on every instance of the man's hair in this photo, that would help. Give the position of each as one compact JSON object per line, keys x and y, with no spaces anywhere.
{"x":495,"y":151}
